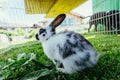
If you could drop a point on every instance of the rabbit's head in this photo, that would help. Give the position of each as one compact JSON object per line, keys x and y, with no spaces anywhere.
{"x":46,"y":32}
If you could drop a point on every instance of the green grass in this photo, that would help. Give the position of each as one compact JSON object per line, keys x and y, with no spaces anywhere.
{"x":107,"y":68}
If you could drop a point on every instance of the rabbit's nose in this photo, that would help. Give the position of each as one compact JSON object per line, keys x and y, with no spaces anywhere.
{"x":37,"y":36}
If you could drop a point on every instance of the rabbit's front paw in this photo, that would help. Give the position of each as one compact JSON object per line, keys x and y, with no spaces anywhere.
{"x":61,"y":70}
{"x":58,"y":64}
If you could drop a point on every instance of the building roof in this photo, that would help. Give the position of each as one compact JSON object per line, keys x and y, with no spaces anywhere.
{"x":76,"y":14}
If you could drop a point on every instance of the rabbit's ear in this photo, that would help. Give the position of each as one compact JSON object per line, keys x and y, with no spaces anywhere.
{"x":58,"y":20}
{"x":37,"y":26}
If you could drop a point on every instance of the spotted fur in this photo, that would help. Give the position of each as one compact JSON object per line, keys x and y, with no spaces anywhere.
{"x":69,"y":51}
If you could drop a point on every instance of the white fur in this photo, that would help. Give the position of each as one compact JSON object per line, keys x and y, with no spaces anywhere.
{"x":52,"y":51}
{"x":50,"y":46}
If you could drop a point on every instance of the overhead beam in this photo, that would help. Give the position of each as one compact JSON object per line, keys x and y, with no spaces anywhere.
{"x":51,"y":7}
{"x":63,"y":6}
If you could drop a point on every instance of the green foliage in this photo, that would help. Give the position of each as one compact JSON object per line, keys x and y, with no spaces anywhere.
{"x":2,"y":31}
{"x":30,"y":33}
{"x":29,"y":62}
{"x":37,"y":74}
{"x":18,"y":32}
{"x":5,"y":32}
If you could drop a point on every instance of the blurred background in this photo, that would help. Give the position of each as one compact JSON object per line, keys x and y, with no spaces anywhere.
{"x":18,"y":16}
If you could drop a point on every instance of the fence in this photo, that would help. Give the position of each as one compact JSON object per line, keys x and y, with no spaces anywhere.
{"x":16,"y":26}
{"x":14,"y":21}
{"x":106,"y":17}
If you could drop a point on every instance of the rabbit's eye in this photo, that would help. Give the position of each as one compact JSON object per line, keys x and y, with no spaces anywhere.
{"x":42,"y":31}
{"x":43,"y":35}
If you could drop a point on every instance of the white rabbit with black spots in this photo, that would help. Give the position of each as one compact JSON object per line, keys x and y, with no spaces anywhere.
{"x":69,"y":51}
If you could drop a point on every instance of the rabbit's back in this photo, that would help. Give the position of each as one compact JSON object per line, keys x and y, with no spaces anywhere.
{"x":75,"y":46}
{"x":68,"y":43}
{"x":77,"y":53}
{"x":72,"y":50}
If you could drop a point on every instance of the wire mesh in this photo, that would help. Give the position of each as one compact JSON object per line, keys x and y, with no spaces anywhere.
{"x":14,"y":20}
{"x":105,"y":20}
{"x":13,"y":14}
{"x":15,"y":25}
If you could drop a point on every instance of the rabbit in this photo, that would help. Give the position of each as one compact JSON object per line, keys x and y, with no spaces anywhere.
{"x":69,"y":51}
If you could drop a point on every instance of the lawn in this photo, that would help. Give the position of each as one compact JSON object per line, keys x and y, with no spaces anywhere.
{"x":28,"y":62}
